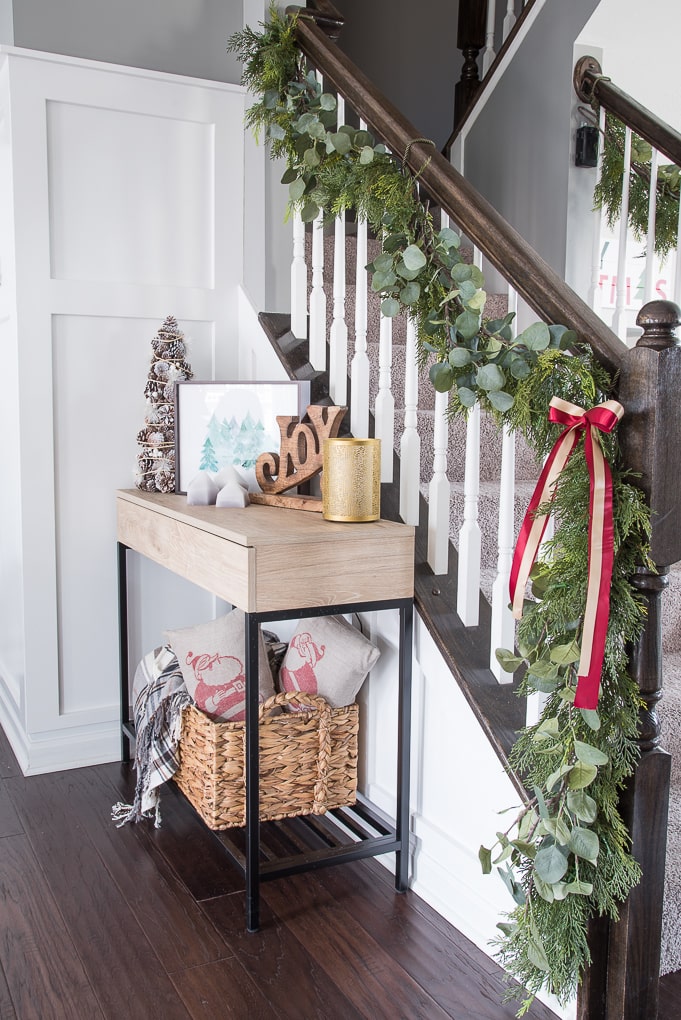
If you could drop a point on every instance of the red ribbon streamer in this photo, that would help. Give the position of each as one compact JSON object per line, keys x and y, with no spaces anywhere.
{"x":603,"y":418}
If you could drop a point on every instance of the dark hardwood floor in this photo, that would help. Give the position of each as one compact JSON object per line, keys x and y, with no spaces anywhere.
{"x":99,"y":922}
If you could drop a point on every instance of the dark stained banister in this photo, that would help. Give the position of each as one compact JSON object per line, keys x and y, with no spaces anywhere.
{"x":536,"y":282}
{"x":589,"y":83}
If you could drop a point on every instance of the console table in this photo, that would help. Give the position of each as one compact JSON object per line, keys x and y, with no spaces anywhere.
{"x":278,"y":564}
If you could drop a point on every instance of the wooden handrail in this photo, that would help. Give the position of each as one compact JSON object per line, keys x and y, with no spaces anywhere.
{"x":540,"y":286}
{"x":590,"y":83}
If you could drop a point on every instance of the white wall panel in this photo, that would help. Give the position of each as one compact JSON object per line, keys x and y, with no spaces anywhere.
{"x":126,"y":190}
{"x":136,"y":203}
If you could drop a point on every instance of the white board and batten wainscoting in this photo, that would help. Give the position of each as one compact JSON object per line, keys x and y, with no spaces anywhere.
{"x":121,"y":202}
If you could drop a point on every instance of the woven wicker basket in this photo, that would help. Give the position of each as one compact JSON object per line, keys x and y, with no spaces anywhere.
{"x":308,"y":761}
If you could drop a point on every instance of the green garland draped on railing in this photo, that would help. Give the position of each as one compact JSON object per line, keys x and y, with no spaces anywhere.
{"x":565,"y":856}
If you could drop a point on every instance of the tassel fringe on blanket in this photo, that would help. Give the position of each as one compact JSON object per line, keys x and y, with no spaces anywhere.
{"x":159,"y":697}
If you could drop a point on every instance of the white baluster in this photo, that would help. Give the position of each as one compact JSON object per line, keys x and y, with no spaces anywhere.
{"x":503,"y":624}
{"x":439,"y":491}
{"x":509,"y":20}
{"x":298,"y":279}
{"x":338,"y":336}
{"x":318,"y":298}
{"x":595,"y":296}
{"x":489,"y":54}
{"x":619,"y":324}
{"x":359,"y":369}
{"x":468,"y":587}
{"x":384,"y":410}
{"x":649,"y":285}
{"x":410,"y":444}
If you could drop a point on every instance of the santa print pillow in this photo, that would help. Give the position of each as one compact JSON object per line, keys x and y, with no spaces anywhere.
{"x":211,"y":657}
{"x":327,"y":656}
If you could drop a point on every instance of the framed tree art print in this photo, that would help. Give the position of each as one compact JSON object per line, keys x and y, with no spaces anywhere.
{"x":230,"y":423}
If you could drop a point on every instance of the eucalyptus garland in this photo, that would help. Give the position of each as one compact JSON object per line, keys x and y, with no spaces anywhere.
{"x":565,"y":856}
{"x":608,"y":191}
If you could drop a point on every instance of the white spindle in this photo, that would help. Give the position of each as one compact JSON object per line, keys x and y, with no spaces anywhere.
{"x":509,"y":20}
{"x":359,"y":369}
{"x":649,"y":285}
{"x":595,"y":295}
{"x":298,"y":279}
{"x":439,"y":491}
{"x":503,"y":624}
{"x":468,"y":587}
{"x":338,"y":336}
{"x":318,"y":298}
{"x":489,"y":54}
{"x":410,"y":444}
{"x":619,"y":324}
{"x":384,"y":410}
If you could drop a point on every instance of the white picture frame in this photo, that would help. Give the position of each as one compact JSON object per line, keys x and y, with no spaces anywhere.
{"x":230,"y":423}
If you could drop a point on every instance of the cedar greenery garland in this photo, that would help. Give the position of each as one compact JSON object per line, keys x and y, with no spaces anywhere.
{"x":608,"y":191}
{"x":565,"y":857}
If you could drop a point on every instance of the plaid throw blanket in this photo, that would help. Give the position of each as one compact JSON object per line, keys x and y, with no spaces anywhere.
{"x":159,"y":695}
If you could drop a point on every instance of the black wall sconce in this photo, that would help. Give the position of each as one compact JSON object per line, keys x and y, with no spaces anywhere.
{"x":586,"y":148}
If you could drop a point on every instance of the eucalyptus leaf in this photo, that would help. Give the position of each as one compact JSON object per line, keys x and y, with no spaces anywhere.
{"x":468,"y":325}
{"x":555,"y":777}
{"x":289,"y":176}
{"x":458,"y":357}
{"x":536,"y":337}
{"x":579,"y":888}
{"x":541,"y":803}
{"x":519,"y":368}
{"x":311,"y":157}
{"x":270,"y":99}
{"x":467,"y":290}
{"x":363,"y":138}
{"x":466,"y":396}
{"x":406,"y":274}
{"x":582,"y":805}
{"x":557,"y":828}
{"x":551,"y":726}
{"x":441,"y":376}
{"x":581,"y":775}
{"x":544,"y":669}
{"x":413,"y":257}
{"x":477,"y":301}
{"x":506,"y":659}
{"x":589,"y":754}
{"x":506,"y":928}
{"x":366,"y":155}
{"x":383,"y":280}
{"x":485,"y":858}
{"x":550,"y":863}
{"x":477,"y":276}
{"x":276,"y":131}
{"x":501,"y":400}
{"x":309,"y":212}
{"x":528,"y":849}
{"x":537,"y":956}
{"x":490,"y":377}
{"x":296,"y":189}
{"x":327,"y":101}
{"x":410,"y":293}
{"x":341,"y":142}
{"x":390,"y":307}
{"x":563,"y":655}
{"x":544,"y":889}
{"x":449,"y":238}
{"x":462,"y":271}
{"x":591,"y":718}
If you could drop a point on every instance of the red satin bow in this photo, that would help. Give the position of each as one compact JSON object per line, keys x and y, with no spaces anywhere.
{"x":602,"y":418}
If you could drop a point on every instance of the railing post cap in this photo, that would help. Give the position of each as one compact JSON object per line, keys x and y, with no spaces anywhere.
{"x":658,"y":320}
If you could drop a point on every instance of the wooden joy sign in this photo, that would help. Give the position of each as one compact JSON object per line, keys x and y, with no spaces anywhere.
{"x":300,"y":457}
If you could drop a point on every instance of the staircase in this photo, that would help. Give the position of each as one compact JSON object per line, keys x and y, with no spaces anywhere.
{"x":623,"y":975}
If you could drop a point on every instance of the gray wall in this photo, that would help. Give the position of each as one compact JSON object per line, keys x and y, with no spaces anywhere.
{"x":180,"y":36}
{"x":409,"y":52}
{"x":519,"y":151}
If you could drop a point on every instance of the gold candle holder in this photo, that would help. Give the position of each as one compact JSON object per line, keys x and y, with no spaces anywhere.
{"x":351,"y":481}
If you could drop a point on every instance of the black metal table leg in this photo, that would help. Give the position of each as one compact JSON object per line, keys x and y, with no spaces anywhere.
{"x":252,"y":777}
{"x":403,"y":747}
{"x":123,"y":647}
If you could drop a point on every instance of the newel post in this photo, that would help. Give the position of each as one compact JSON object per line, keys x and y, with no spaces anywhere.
{"x":470,"y":39}
{"x":622,"y":983}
